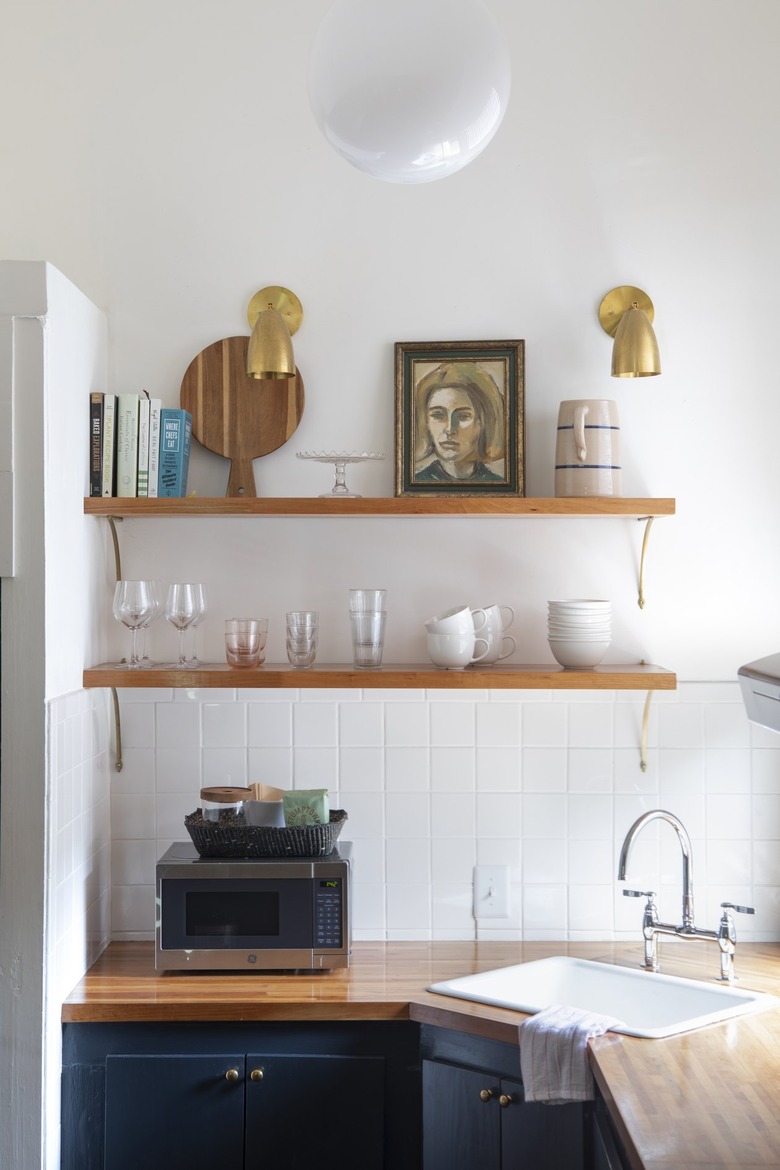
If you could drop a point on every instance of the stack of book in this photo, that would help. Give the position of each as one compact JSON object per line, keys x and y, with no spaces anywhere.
{"x":138,"y":447}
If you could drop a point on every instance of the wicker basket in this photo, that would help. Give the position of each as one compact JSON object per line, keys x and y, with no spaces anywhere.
{"x":237,"y":839}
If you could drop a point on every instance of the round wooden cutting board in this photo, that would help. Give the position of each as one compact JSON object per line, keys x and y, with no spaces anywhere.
{"x":237,"y":416}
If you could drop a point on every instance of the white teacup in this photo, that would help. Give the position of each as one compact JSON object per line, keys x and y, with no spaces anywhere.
{"x":498,"y":619}
{"x":455,"y":651}
{"x":460,"y":620}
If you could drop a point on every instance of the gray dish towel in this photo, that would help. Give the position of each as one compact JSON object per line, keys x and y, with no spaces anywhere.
{"x":554,"y":1054}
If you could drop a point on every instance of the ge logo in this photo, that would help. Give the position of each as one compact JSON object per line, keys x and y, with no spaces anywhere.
{"x":251,"y":958}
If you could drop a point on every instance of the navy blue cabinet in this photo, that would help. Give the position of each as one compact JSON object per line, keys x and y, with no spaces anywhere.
{"x":236,"y":1096}
{"x":475,"y":1117}
{"x":236,"y":1110}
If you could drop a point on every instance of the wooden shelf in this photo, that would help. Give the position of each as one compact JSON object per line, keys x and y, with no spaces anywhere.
{"x":639,"y":676}
{"x":382,"y":506}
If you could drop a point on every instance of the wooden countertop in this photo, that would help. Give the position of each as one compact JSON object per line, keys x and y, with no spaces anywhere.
{"x":705,"y":1100}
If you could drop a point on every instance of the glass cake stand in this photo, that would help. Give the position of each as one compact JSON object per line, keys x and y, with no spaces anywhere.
{"x":340,"y":459}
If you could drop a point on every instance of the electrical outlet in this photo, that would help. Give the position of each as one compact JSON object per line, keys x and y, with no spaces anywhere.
{"x":491,"y":891}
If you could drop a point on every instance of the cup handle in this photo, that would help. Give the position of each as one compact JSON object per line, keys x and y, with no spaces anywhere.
{"x":482,"y":624}
{"x":507,"y":623}
{"x":506,"y":654}
{"x":579,"y":432}
{"x":479,"y":657}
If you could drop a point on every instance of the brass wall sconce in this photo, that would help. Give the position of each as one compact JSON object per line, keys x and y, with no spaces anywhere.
{"x":274,"y":314}
{"x":626,"y":313}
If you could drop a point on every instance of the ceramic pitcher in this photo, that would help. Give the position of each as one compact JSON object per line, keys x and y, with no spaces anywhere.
{"x":587,"y":451}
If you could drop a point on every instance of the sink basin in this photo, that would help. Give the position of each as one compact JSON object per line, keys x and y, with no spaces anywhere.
{"x":647,"y":1003}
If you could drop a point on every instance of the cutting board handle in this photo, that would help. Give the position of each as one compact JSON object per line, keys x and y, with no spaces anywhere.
{"x":242,"y":478}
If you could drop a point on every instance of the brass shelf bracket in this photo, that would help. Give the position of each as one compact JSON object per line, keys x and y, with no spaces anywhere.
{"x":114,"y":696}
{"x":648,"y":524}
{"x":118,"y":730}
{"x":112,"y":523}
{"x":645,"y":724}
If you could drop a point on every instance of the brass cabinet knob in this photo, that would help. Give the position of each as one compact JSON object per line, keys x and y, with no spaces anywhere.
{"x":486,"y":1094}
{"x":231,"y":1075}
{"x":256,"y":1074}
{"x":504,"y":1100}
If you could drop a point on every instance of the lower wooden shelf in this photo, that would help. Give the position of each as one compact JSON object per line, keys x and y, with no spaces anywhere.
{"x":617,"y":677}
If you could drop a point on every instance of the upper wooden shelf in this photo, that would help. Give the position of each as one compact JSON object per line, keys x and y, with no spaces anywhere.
{"x":623,"y":676}
{"x":381,"y":506}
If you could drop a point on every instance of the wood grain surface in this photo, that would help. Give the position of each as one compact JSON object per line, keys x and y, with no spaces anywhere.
{"x":237,"y":416}
{"x":706,"y":1100}
{"x":592,"y":507}
{"x":500,"y":676}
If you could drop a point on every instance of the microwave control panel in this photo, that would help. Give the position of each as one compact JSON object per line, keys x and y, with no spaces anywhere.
{"x":328,"y":925}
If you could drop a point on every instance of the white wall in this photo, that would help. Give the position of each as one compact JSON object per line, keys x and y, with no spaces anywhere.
{"x":168,"y":162}
{"x":55,"y":841}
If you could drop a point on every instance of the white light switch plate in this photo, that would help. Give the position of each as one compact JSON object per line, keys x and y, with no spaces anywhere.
{"x":491,"y":891}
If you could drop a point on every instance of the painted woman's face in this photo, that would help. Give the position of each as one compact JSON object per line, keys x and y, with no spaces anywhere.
{"x":455,"y":429}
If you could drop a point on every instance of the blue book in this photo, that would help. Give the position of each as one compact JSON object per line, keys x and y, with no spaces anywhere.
{"x":175,"y":440}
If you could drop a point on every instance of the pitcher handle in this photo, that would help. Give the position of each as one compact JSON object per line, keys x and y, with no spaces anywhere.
{"x":579,"y":432}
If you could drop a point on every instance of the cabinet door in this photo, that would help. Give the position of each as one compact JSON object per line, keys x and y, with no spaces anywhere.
{"x":539,"y":1137}
{"x":314,"y":1113}
{"x":168,"y":1111}
{"x":606,"y":1155}
{"x":461,"y":1125}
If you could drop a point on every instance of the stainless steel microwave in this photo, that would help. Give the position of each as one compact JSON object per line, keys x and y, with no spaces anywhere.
{"x":252,"y":914}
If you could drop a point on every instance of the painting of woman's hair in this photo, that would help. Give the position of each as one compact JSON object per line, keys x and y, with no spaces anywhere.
{"x":459,"y":419}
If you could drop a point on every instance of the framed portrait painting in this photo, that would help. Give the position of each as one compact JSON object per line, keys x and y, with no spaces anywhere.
{"x":459,"y":418}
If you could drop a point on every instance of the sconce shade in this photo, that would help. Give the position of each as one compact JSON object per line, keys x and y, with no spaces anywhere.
{"x":409,"y":91}
{"x":635,"y":352}
{"x":626,"y":313}
{"x":270,"y":353}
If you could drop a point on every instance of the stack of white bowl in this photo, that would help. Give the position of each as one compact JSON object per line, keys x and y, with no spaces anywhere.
{"x":579,"y":631}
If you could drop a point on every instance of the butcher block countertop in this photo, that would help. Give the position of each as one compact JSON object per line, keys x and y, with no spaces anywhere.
{"x":704,"y":1100}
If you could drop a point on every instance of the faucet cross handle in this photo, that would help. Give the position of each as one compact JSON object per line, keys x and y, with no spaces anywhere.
{"x":649,"y":894}
{"x":739,"y":909}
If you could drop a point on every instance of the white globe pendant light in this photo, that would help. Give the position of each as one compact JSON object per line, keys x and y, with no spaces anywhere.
{"x":409,"y":90}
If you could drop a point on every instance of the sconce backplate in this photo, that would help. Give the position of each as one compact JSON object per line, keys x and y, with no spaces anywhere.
{"x":282,"y":299}
{"x":617,"y":302}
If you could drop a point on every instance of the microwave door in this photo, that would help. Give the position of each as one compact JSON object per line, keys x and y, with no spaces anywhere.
{"x":233,"y":913}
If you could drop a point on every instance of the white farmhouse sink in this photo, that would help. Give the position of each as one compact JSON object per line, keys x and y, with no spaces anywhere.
{"x":648,"y":1003}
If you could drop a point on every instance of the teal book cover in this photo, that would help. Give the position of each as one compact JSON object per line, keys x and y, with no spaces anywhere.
{"x":174,"y":461}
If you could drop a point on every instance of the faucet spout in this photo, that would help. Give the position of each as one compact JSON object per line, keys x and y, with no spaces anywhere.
{"x":687,"y":857}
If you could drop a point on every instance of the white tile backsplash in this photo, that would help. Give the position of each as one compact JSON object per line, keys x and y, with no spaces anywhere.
{"x":545,"y":783}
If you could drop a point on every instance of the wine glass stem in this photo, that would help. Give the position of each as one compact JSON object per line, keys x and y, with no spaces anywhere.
{"x":134,"y":646}
{"x":182,"y":655}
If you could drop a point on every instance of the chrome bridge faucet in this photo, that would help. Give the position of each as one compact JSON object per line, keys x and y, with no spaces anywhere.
{"x":725,"y":935}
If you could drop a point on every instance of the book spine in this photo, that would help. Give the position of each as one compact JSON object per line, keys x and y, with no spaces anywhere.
{"x":109,"y":445}
{"x":155,"y":406}
{"x":143,"y":446}
{"x":175,"y":442}
{"x":95,"y":444}
{"x":127,"y":445}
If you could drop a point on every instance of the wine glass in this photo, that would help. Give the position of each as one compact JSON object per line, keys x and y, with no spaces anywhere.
{"x":181,"y":610}
{"x":133,"y":606}
{"x":200,"y":593}
{"x":156,"y":591}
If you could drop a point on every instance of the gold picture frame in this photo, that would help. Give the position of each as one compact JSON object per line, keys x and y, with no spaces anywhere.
{"x":460,"y":418}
